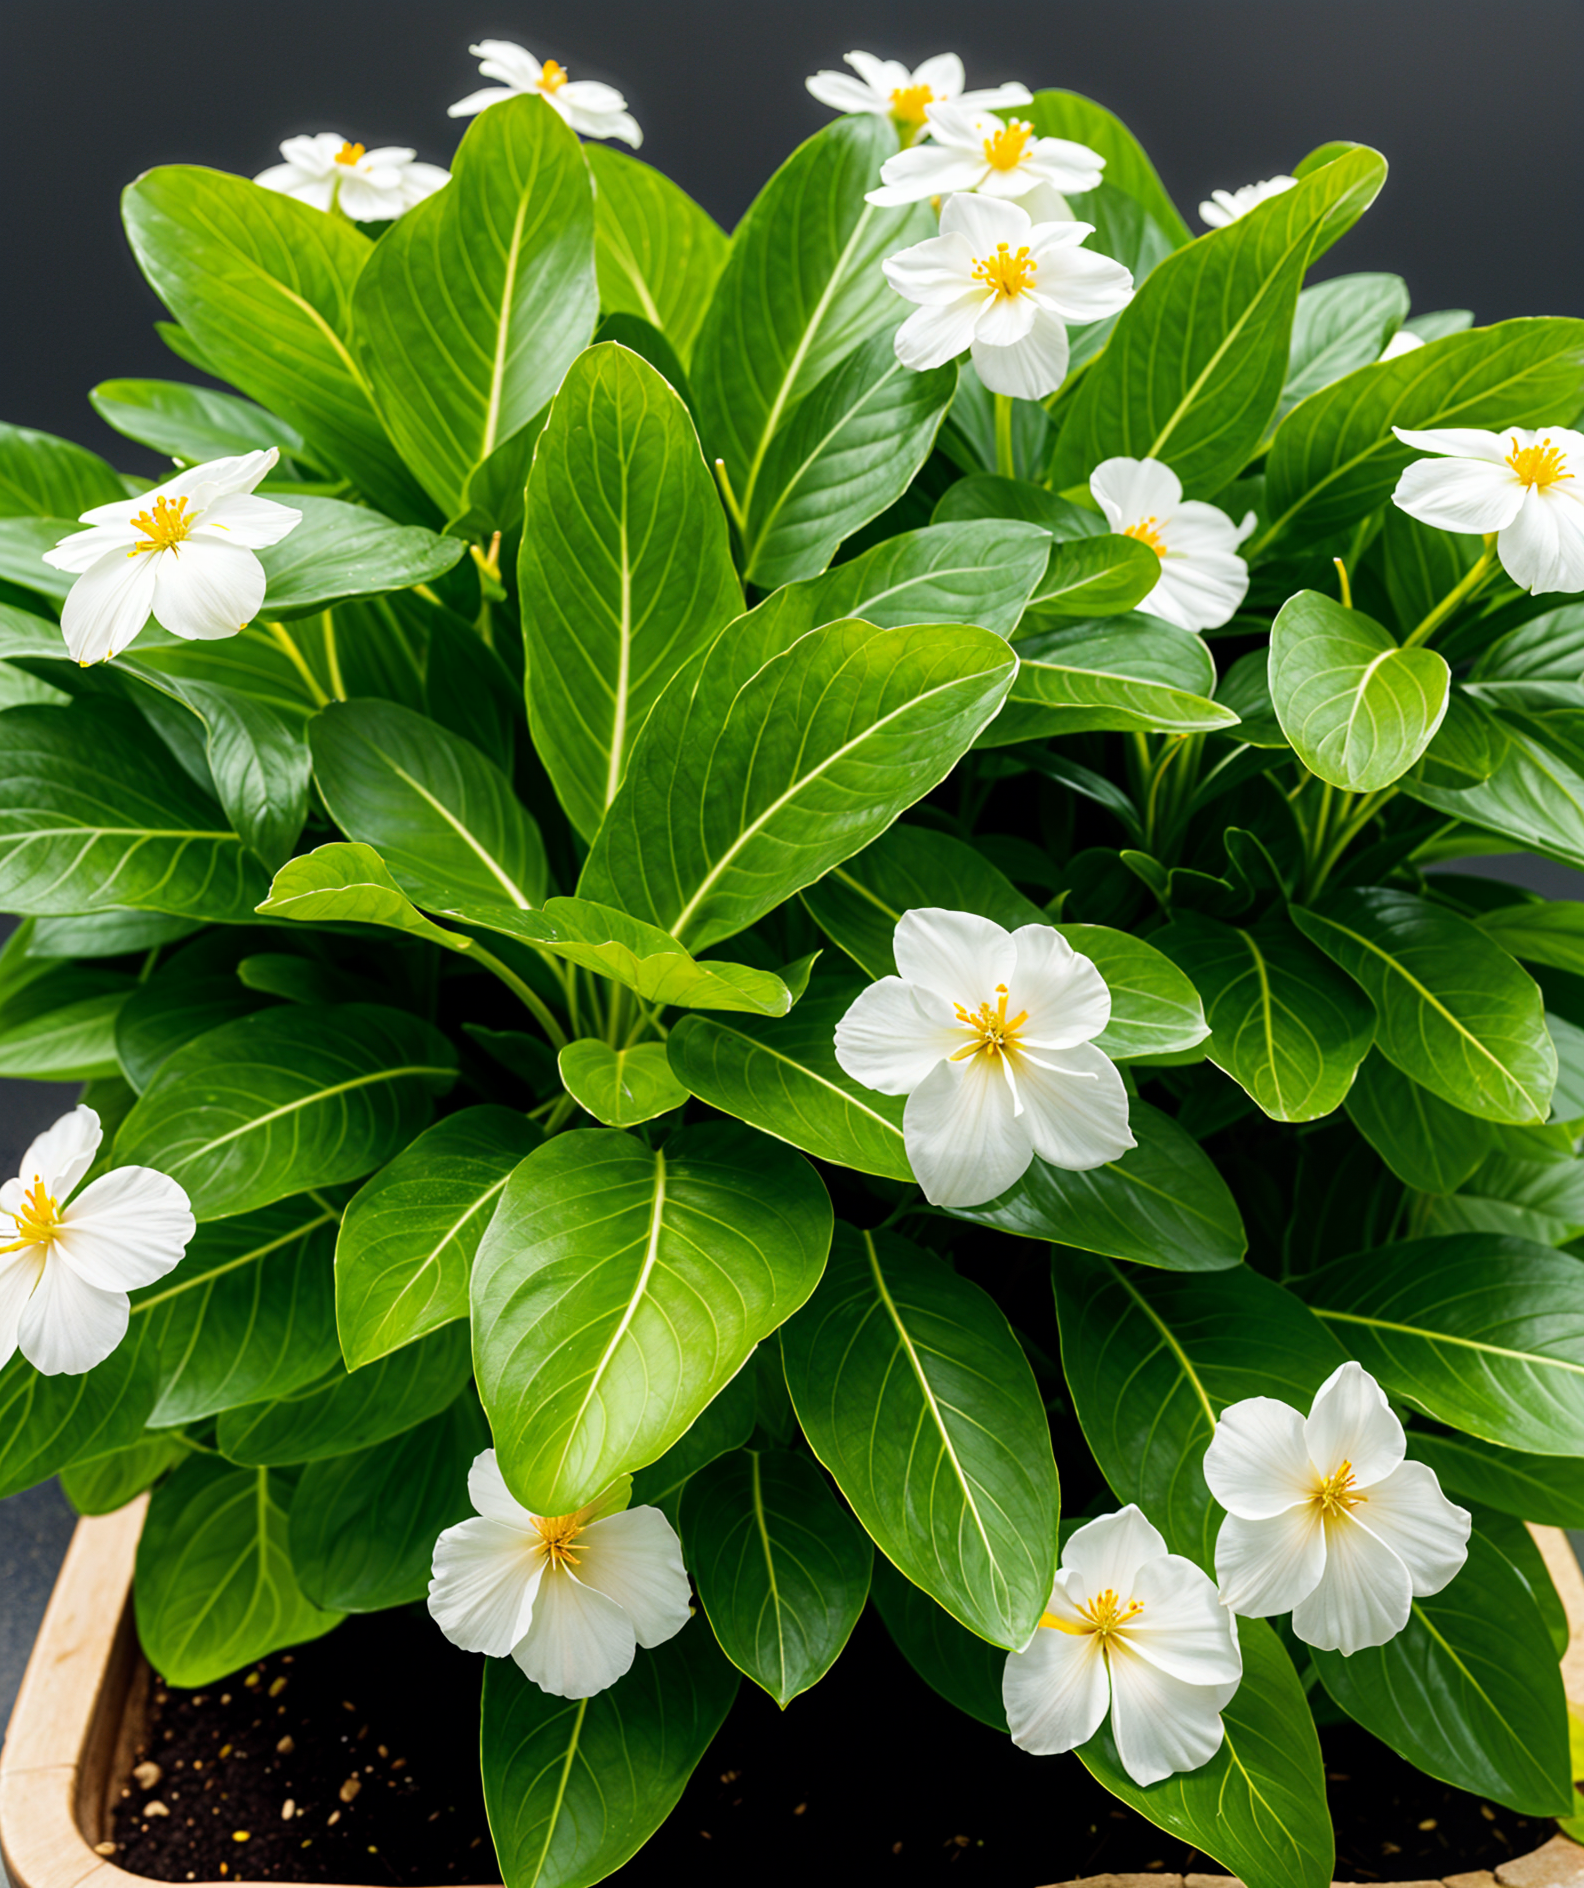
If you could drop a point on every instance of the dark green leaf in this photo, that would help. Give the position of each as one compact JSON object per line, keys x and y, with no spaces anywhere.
{"x":1425,"y":1141}
{"x":46,"y":1423}
{"x":1340,"y":325}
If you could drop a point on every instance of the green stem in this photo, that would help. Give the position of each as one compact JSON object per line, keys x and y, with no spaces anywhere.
{"x":560,"y":1114}
{"x":1459,"y":593}
{"x":526,"y":995}
{"x":729,"y":498}
{"x":333,"y":658}
{"x":1342,"y":579}
{"x":1003,"y":436}
{"x":283,"y":641}
{"x":1347,"y":831}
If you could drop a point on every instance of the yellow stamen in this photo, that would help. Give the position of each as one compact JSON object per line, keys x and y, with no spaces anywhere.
{"x":557,"y":1532}
{"x":993,"y":1032}
{"x":1105,"y":1615}
{"x":1540,"y":465}
{"x":1006,"y":273}
{"x":1332,"y":1494}
{"x":36,"y":1219}
{"x":908,"y":102}
{"x":1004,"y":149}
{"x":552,"y":76}
{"x":350,"y":153}
{"x":166,"y":526}
{"x":1146,"y":533}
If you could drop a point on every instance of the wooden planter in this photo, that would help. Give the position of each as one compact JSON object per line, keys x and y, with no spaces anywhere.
{"x":70,"y":1742}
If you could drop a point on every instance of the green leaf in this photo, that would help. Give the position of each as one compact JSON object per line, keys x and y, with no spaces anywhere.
{"x":988,"y":495}
{"x":782,"y":1077}
{"x":458,"y":376}
{"x":1335,"y":457}
{"x":442,"y":817}
{"x":348,"y":551}
{"x":99,"y":1484}
{"x":263,"y":284}
{"x":45,"y":477}
{"x":965,"y":1669}
{"x":574,"y":1786}
{"x":1483,"y":1332}
{"x":1358,"y":709}
{"x":94,"y":814}
{"x":1469,"y":1690}
{"x":194,"y":424}
{"x":1535,"y":796}
{"x":407,"y":1242}
{"x":23,"y":542}
{"x":1103,"y":575}
{"x":1425,"y":1141}
{"x":61,"y":1026}
{"x":1545,"y":1489}
{"x":293,"y":1097}
{"x":46,"y":1423}
{"x":914,"y":1393}
{"x":1259,"y":1804}
{"x":1131,"y":675}
{"x":364,"y":1526}
{"x":626,"y":570}
{"x":1340,"y":325}
{"x":1155,"y":1010}
{"x":1162,"y":1203}
{"x":342,"y":1412}
{"x":1285,"y":1024}
{"x":656,"y":252}
{"x":249,"y":1313}
{"x":781,"y":774}
{"x":1151,"y":1360}
{"x":1453,"y":1010}
{"x":350,"y":884}
{"x":214,"y":1586}
{"x":1195,"y":364}
{"x":619,"y":1289}
{"x":1539,"y":933}
{"x":781,"y":1567}
{"x":725,"y":1424}
{"x":621,"y":1088}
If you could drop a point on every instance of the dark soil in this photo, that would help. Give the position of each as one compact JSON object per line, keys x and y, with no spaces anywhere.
{"x":868,"y":1777}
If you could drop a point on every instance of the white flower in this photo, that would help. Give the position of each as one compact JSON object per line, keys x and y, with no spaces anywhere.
{"x":1226,"y":206}
{"x":591,"y":109}
{"x":973,"y":152}
{"x":1202,"y":578}
{"x":1005,"y":288}
{"x":66,"y":1270}
{"x":887,"y":89}
{"x":1325,"y":1518}
{"x":1136,"y":1628}
{"x":570,"y":1597}
{"x":1524,"y":486}
{"x":957,"y":1034}
{"x":1404,"y":341}
{"x":328,"y":170}
{"x":182,"y":553}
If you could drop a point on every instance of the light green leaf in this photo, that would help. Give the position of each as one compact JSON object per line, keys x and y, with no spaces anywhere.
{"x":621,"y":1088}
{"x":1453,"y":1010}
{"x":195,"y":424}
{"x":1539,"y":933}
{"x":47,"y":1423}
{"x":350,"y":884}
{"x":460,"y":375}
{"x":626,"y":570}
{"x":1358,"y":709}
{"x":1155,"y":1010}
{"x":1095,"y":576}
{"x":1132,"y":675}
{"x":1425,"y":1141}
{"x":214,"y":1587}
{"x":657,"y":253}
{"x":23,"y":542}
{"x":782,"y":1568}
{"x":914,"y":1393}
{"x":45,"y":477}
{"x":619,"y":1289}
{"x":293,"y":1097}
{"x":61,"y":1026}
{"x":405,"y":1250}
{"x":348,"y":551}
{"x":1340,"y":325}
{"x":1545,"y":1489}
{"x":1535,"y":797}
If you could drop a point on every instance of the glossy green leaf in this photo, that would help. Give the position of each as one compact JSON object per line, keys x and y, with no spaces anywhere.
{"x":23,"y":542}
{"x":1102,"y":575}
{"x":985,"y":495}
{"x":781,"y":774}
{"x":458,"y":375}
{"x":1539,"y":933}
{"x":1155,"y":1011}
{"x":619,"y":1288}
{"x":62,"y":1026}
{"x":1545,"y":1489}
{"x":1535,"y":796}
{"x":1425,"y":1141}
{"x":1132,"y":676}
{"x":1358,"y":709}
{"x":574,"y":1786}
{"x":1453,"y":1010}
{"x":621,"y":1088}
{"x":293,"y":1097}
{"x":99,"y":1484}
{"x":1469,"y":1690}
{"x":405,"y":1250}
{"x":1195,"y":364}
{"x":1483,"y":1332}
{"x":343,"y":550}
{"x":726,"y":1423}
{"x":626,"y":570}
{"x":214,"y":1587}
{"x":1338,"y":326}
{"x":194,"y":424}
{"x":442,"y":817}
{"x":1151,"y":1360}
{"x":1162,"y":1203}
{"x":914,"y":1393}
{"x":965,"y":1669}
{"x":46,"y":1423}
{"x":45,"y":477}
{"x":1060,"y":114}
{"x":782,"y":1568}
{"x":656,"y":252}
{"x":350,"y":884}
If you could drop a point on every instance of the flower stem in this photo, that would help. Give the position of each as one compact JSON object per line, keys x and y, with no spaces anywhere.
{"x":1459,"y":593}
{"x":1342,"y":579}
{"x":282,"y":638}
{"x":1003,"y":436}
{"x":729,"y":498}
{"x":525,"y":994}
{"x":333,"y":658}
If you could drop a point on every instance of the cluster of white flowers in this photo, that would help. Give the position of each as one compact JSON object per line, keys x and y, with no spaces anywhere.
{"x":1521,"y":487}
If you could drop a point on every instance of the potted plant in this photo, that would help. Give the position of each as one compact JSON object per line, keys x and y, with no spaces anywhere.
{"x":647,"y":819}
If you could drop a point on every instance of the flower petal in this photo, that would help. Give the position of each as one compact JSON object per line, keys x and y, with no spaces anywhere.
{"x":1270,"y":1565}
{"x":635,"y":1559}
{"x":1543,"y":548}
{"x":1028,"y":369}
{"x":925,"y":170}
{"x":957,"y":954}
{"x":1075,"y":1106}
{"x":1459,"y":494}
{"x":1055,"y":1691}
{"x":68,"y":1326}
{"x":488,"y":1492}
{"x":1197,"y":529}
{"x":934,"y":273}
{"x":1459,"y":442}
{"x":1183,"y":1629}
{"x":1067,"y":999}
{"x":1131,"y":490}
{"x":19,"y":1273}
{"x":108,"y":604}
{"x":1351,"y":1421}
{"x":932,"y":336}
{"x":248,"y":521}
{"x":1081,"y":285}
{"x":1257,"y":1464}
{"x":842,"y":92}
{"x":1065,"y":164}
{"x":1004,"y":320}
{"x":62,"y":1154}
{"x":893,"y":1034}
{"x":127,"y":1229}
{"x":963,"y":1140}
{"x":1427,"y":1533}
{"x":1198,"y":589}
{"x":484,"y":1583}
{"x":1363,"y":1598}
{"x":1161,"y":1725}
{"x":993,"y":98}
{"x":882,"y":76}
{"x":477,"y":101}
{"x":944,"y":76}
{"x":1110,"y":1551}
{"x":206,"y":590}
{"x":985,"y":222}
{"x":579,"y":1642}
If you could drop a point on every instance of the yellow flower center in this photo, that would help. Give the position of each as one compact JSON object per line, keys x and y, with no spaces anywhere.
{"x":1004,"y":149}
{"x":1006,"y":273}
{"x":552,"y":76}
{"x":165,"y":526}
{"x":350,"y":153}
{"x":1146,"y":533}
{"x":1540,"y":465}
{"x":36,"y":1219}
{"x":908,"y":102}
{"x":1333,"y":1494}
{"x":1105,"y":1616}
{"x":991,"y":1031}
{"x":557,"y":1533}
